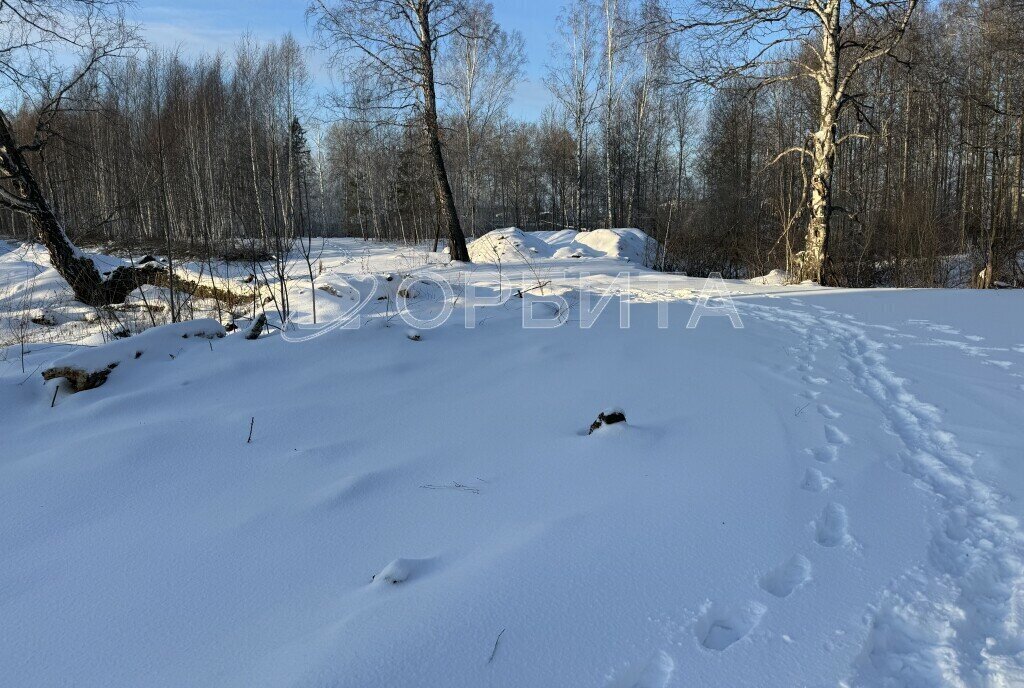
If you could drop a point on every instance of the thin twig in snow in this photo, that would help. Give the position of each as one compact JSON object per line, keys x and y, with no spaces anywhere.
{"x":495,"y":649}
{"x":453,"y":485}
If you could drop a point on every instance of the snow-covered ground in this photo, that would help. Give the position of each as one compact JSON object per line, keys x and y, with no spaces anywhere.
{"x":830,"y":495}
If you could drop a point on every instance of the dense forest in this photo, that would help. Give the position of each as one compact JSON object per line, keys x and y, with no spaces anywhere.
{"x":726,"y":129}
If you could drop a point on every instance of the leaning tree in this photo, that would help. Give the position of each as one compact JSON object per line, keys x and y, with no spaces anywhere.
{"x":48,"y":48}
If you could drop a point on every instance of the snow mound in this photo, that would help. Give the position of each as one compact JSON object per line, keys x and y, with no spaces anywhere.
{"x":510,"y":244}
{"x":575,"y":250}
{"x":514,"y":245}
{"x":401,"y":570}
{"x":775,"y":278}
{"x":556,"y":238}
{"x":625,"y":244}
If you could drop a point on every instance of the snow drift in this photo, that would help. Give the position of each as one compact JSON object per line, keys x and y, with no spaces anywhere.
{"x":514,"y":245}
{"x":507,"y":246}
{"x":89,"y":367}
{"x":829,"y":496}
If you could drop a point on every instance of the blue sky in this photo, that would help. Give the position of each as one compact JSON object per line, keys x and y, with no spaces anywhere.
{"x":197,"y":25}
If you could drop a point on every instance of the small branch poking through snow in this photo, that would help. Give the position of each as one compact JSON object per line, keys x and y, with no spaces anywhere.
{"x":539,"y":285}
{"x":452,"y":486}
{"x":495,"y":650}
{"x":252,"y":421}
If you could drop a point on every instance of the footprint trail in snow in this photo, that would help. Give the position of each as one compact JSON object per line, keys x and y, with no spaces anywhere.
{"x":720,"y":626}
{"x":782,"y":580}
{"x":956,"y":619}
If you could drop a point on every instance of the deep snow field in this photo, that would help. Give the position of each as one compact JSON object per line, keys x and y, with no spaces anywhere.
{"x":830,"y":495}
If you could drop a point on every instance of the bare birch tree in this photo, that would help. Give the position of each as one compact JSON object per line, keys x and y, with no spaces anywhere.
{"x":613,"y":46}
{"x":825,"y":41}
{"x":482,"y":68}
{"x":574,"y":78}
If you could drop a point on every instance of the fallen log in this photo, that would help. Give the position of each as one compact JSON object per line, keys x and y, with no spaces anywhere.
{"x":79,"y":378}
{"x":89,"y":368}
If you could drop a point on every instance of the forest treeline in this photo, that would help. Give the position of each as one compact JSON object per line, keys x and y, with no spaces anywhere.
{"x":710,"y":147}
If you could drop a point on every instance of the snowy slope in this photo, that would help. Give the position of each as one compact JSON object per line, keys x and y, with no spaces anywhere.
{"x":830,"y":494}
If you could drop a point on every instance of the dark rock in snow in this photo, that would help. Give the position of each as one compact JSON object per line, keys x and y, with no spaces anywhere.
{"x":608,"y":417}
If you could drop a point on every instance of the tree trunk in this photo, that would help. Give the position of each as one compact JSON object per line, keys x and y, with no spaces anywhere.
{"x":632,"y":207}
{"x":610,"y":11}
{"x":79,"y":271}
{"x":449,"y":216}
{"x":813,"y":261}
{"x":815,"y":254}
{"x":578,"y":191}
